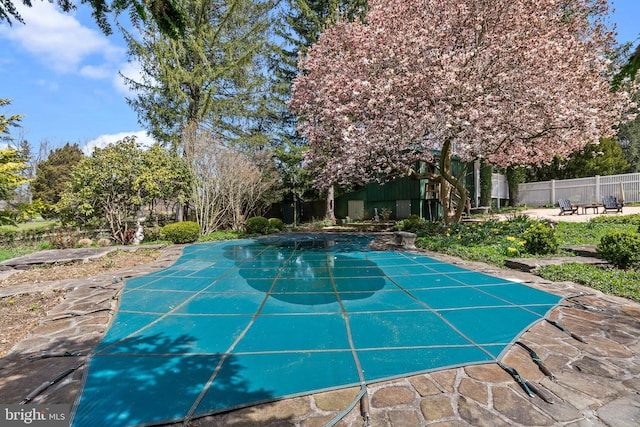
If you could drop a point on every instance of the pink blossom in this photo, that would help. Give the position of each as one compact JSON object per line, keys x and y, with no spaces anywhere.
{"x":512,"y":81}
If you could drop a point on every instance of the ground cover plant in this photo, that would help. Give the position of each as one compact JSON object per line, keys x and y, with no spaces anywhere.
{"x":490,"y":241}
{"x":495,"y":241}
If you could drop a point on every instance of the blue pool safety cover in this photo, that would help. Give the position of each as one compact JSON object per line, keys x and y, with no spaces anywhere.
{"x":232,"y":324}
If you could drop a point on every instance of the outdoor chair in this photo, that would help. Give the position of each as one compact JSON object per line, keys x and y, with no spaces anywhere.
{"x":567,"y":207}
{"x":611,"y":203}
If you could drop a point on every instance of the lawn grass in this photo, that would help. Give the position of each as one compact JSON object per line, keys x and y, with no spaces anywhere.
{"x":608,"y":280}
{"x":19,"y":251}
{"x":28,"y":226}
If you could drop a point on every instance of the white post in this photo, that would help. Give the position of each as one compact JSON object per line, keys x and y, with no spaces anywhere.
{"x":598,"y":196}
{"x":553,"y":191}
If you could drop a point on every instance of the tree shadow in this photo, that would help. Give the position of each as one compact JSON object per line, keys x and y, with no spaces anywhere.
{"x":155,"y":378}
{"x":143,"y":379}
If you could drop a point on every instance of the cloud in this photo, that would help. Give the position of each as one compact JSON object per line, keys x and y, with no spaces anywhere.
{"x":49,"y":85}
{"x":96,"y":72}
{"x":61,"y":42}
{"x":142,"y":138}
{"x":131,"y":70}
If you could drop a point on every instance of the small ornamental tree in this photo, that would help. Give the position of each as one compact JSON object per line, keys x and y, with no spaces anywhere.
{"x":513,"y":82}
{"x":116,"y":182}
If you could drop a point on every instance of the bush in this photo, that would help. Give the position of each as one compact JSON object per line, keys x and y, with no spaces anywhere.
{"x":540,"y":239}
{"x":620,"y":248}
{"x":181,"y":232}
{"x":412,"y":224}
{"x":276,"y":224}
{"x":257,"y":225}
{"x":103,"y":242}
{"x":84,"y":243}
{"x":63,"y":239}
{"x":152,"y":234}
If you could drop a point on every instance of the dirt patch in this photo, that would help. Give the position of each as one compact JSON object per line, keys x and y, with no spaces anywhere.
{"x":19,"y":314}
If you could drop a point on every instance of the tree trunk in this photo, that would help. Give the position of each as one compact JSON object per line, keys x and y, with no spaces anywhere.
{"x":515,"y":176}
{"x":486,"y":170}
{"x":329,"y":214}
{"x":451,"y":188}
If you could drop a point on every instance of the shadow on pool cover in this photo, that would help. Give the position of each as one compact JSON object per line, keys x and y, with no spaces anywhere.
{"x":233,"y":324}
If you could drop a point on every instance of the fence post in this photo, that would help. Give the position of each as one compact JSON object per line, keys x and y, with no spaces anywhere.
{"x":553,"y":192}
{"x":598,"y":198}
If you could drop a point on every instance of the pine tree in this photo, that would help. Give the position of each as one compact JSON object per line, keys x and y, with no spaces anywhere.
{"x":211,"y":76}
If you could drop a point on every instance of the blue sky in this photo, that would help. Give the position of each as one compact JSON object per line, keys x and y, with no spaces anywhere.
{"x":61,"y":73}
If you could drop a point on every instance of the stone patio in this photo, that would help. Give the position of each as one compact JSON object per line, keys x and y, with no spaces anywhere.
{"x":597,"y":383}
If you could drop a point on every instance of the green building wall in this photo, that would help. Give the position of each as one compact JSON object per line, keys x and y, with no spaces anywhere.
{"x":395,"y":195}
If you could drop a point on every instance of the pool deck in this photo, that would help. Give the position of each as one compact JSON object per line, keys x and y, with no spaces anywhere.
{"x":597,"y":383}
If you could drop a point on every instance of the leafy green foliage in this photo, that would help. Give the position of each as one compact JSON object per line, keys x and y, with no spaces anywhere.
{"x":276,"y":224}
{"x":605,"y":158}
{"x":181,"y":232}
{"x":609,"y":280}
{"x":617,"y":219}
{"x":115,"y":182}
{"x":620,"y":248}
{"x":11,"y":177}
{"x":488,"y":241}
{"x":628,"y":71}
{"x":54,"y":173}
{"x":590,"y":233}
{"x":412,"y":224}
{"x":541,"y":239}
{"x":257,"y":225}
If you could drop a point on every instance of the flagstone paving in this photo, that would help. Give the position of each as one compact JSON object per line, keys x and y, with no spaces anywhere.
{"x":597,"y":382}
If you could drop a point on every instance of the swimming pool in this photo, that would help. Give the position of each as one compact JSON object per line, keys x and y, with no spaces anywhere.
{"x":236,"y":323}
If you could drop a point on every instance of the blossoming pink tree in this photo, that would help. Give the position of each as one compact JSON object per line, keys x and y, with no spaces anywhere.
{"x":513,"y":82}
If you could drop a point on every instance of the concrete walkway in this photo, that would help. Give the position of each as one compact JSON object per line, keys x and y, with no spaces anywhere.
{"x":553,"y":214}
{"x":597,"y":380}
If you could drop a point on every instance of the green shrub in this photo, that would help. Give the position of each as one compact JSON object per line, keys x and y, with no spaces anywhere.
{"x":540,"y":239}
{"x":620,"y":248}
{"x":412,"y":224}
{"x":276,"y":224}
{"x":181,"y":232}
{"x":257,"y":225}
{"x":152,"y":234}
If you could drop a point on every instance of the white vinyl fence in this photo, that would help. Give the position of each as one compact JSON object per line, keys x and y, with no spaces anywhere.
{"x":581,"y":190}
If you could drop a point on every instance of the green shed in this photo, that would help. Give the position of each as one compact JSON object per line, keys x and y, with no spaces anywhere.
{"x":402,"y":196}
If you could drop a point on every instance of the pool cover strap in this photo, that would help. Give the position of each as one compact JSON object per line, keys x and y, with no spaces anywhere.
{"x":526,"y":385}
{"x":537,"y":360}
{"x":562,"y":328}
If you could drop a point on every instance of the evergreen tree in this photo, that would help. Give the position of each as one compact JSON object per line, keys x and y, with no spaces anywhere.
{"x":298,"y":27}
{"x":54,"y":173}
{"x":212,"y":76}
{"x":165,"y":13}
